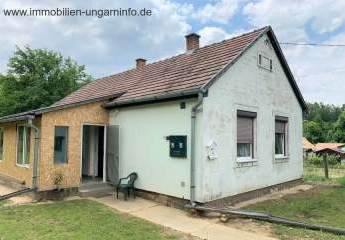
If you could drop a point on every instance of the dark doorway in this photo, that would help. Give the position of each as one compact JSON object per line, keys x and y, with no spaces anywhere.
{"x":92,"y":153}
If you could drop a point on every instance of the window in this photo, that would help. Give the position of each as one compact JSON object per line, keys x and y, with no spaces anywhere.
{"x":23,"y":145}
{"x":60,"y":145}
{"x":281,"y":136}
{"x":265,"y":62}
{"x":1,"y":144}
{"x":245,"y":134}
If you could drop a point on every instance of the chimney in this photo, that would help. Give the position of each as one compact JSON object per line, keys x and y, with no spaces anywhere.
{"x":192,"y":41}
{"x":140,"y":62}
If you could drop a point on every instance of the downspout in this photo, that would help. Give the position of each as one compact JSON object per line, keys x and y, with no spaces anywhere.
{"x":36,"y":154}
{"x":192,"y":153}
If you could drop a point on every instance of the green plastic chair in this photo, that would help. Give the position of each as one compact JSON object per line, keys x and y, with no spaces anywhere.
{"x":126,"y":185}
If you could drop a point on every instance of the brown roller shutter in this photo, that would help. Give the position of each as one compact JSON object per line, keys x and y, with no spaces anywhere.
{"x":244,"y":130}
{"x":280,"y":126}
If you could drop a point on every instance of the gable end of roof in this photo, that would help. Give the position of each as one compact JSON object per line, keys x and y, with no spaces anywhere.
{"x":267,"y":30}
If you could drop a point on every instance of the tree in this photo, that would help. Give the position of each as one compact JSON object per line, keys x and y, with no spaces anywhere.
{"x":37,"y":78}
{"x":339,"y":129}
{"x":313,"y":131}
{"x":322,"y":123}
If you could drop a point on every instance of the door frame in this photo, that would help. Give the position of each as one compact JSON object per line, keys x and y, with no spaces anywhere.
{"x":104,"y":150}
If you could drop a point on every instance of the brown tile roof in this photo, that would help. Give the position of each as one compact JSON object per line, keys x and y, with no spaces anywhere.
{"x":184,"y":72}
{"x":306,"y":144}
{"x":322,"y":146}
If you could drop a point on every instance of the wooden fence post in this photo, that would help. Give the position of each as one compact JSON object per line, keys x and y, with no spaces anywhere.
{"x":325,"y":164}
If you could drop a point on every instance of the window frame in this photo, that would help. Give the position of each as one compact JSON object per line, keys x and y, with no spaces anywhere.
{"x":67,"y":142}
{"x":253,"y":116}
{"x":27,"y":153}
{"x":261,"y":57}
{"x":285,"y":154}
{"x":2,"y":130}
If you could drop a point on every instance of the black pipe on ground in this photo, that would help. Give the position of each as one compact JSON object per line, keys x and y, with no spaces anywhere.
{"x":17,"y":193}
{"x":268,"y":218}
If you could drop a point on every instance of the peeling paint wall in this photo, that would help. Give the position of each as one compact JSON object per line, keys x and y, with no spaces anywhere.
{"x":246,"y":86}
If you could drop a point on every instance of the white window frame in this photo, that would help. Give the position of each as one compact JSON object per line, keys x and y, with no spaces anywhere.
{"x":3,"y":143}
{"x":25,"y":153}
{"x":286,"y":140}
{"x":253,"y":145}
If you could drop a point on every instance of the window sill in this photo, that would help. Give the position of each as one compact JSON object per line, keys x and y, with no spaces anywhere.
{"x":60,"y":164}
{"x":279,"y":158}
{"x":246,"y":160}
{"x":23,"y":166}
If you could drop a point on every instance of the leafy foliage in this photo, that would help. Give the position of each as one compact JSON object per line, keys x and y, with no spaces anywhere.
{"x":318,"y":160}
{"x":325,"y":123}
{"x":37,"y":78}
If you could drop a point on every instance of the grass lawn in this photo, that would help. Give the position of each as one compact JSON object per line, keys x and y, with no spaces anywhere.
{"x":316,"y":174}
{"x":79,"y":219}
{"x":323,"y":205}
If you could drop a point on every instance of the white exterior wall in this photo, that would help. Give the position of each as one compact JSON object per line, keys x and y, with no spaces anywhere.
{"x":245,"y":86}
{"x":143,"y":147}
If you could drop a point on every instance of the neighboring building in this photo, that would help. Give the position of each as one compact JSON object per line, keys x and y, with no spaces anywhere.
{"x":321,"y":146}
{"x":336,"y":149}
{"x":307,"y":148}
{"x":210,"y":123}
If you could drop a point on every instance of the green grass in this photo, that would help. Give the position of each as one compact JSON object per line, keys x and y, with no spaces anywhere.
{"x":325,"y":207}
{"x":317,"y":175}
{"x":80,"y":219}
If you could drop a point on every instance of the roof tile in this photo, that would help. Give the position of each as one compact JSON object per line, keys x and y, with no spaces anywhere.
{"x":179,"y":73}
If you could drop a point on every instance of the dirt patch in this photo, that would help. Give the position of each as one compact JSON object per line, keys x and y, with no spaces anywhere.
{"x":14,"y":200}
{"x":249,"y":225}
{"x":276,"y":195}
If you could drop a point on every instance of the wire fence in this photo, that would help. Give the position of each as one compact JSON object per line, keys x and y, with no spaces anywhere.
{"x":334,"y":172}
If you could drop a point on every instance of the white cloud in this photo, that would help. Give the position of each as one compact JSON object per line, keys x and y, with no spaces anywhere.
{"x":216,"y":34}
{"x":219,"y":11}
{"x":105,"y":45}
{"x":212,"y":34}
{"x":318,"y":71}
{"x":111,"y":44}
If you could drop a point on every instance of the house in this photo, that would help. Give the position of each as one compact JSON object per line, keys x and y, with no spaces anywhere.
{"x":210,"y":123}
{"x":336,"y":149}
{"x":307,"y":147}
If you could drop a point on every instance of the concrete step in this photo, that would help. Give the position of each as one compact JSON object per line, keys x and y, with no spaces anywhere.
{"x":96,"y":190}
{"x":93,"y":185}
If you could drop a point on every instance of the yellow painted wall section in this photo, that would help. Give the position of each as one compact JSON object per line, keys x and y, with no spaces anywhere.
{"x":8,"y":165}
{"x":74,"y":118}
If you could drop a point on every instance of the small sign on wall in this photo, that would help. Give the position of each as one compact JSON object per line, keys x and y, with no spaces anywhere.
{"x":211,"y":148}
{"x":177,"y":146}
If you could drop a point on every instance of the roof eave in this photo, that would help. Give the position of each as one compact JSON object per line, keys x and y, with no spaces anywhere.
{"x":287,"y":69}
{"x":154,"y":98}
{"x":18,"y":118}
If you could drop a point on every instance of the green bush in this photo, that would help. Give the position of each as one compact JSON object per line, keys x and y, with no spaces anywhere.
{"x":317,"y":161}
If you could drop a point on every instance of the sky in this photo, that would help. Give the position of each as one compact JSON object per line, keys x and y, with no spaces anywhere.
{"x":111,"y":44}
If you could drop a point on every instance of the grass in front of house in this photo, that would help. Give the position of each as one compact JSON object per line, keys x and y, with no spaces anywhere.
{"x":79,"y":219}
{"x":4,"y":202}
{"x":316,"y":174}
{"x":323,"y":205}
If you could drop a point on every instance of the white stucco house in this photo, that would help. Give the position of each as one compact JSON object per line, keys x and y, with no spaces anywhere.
{"x":247,"y":133}
{"x":213,"y":122}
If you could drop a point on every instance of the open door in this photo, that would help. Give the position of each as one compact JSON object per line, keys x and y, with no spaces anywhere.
{"x":112,"y":154}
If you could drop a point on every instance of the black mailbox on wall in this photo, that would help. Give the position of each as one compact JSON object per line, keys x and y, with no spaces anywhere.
{"x":178,"y":146}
